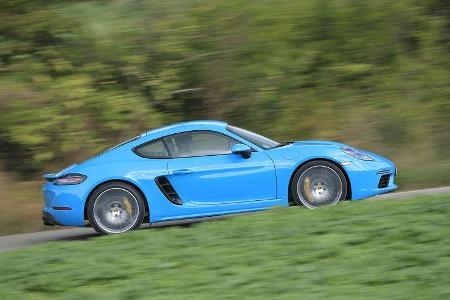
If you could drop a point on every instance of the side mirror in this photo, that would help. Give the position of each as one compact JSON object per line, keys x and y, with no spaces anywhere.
{"x":242,"y":150}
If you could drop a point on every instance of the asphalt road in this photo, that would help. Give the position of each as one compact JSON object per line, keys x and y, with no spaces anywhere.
{"x":16,"y":241}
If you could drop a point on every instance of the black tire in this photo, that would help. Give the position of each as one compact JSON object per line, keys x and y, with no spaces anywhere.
{"x":105,"y":205}
{"x":298,"y":189}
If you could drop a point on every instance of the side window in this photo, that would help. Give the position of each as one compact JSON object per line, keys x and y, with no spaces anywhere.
{"x":155,"y":149}
{"x":199,"y":143}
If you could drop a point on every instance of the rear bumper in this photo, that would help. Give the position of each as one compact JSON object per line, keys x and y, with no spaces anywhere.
{"x":63,"y":205}
{"x":48,"y":219}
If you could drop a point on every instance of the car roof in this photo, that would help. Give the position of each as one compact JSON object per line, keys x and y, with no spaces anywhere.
{"x":186,"y":126}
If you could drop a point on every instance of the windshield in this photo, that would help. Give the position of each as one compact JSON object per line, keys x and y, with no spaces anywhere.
{"x":254,"y":138}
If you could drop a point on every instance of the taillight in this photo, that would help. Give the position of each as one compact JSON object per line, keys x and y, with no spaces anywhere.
{"x":69,"y":179}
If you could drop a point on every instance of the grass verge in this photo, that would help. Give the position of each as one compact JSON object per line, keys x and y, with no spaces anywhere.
{"x":361,"y":250}
{"x":434,"y":174}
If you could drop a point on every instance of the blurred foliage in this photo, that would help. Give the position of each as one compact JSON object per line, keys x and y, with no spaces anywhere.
{"x":367,"y":250}
{"x":76,"y":76}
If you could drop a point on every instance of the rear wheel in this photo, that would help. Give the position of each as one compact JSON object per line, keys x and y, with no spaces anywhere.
{"x":318,"y":183}
{"x":115,"y":207}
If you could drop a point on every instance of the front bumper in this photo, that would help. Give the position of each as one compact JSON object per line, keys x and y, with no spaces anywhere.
{"x":366,"y":178}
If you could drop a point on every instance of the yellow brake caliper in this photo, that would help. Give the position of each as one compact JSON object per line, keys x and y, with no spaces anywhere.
{"x":307,"y":189}
{"x":127,"y":206}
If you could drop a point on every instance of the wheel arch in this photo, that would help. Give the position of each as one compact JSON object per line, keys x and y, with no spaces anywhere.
{"x":147,"y":210}
{"x":349,"y":186}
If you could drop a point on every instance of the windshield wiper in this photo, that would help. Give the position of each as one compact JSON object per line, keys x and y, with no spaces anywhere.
{"x":282,"y":144}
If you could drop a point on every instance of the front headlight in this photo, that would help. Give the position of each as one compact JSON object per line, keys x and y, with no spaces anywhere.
{"x":356,"y":153}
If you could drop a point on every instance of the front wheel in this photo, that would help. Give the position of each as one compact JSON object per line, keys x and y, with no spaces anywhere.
{"x":318,"y":183}
{"x":115,"y":207}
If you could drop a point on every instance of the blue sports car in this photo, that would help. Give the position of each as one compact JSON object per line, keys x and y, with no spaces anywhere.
{"x":207,"y":168}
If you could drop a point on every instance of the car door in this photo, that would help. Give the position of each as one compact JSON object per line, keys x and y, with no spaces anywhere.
{"x":203,"y":171}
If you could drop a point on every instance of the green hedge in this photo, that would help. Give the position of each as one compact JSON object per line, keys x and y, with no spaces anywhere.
{"x":76,"y":77}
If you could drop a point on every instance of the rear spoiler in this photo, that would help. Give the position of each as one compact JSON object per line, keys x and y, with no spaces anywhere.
{"x":50,"y":176}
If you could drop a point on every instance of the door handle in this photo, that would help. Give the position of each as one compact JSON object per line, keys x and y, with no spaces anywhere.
{"x":182,"y":171}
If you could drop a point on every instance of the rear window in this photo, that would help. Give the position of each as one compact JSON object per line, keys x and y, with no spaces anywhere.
{"x":154,"y":149}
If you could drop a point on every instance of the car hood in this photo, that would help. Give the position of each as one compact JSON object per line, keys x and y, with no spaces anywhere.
{"x":317,"y":143}
{"x":331,"y":144}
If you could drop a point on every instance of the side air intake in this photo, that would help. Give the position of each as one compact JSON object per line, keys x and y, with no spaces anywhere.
{"x":167,"y":189}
